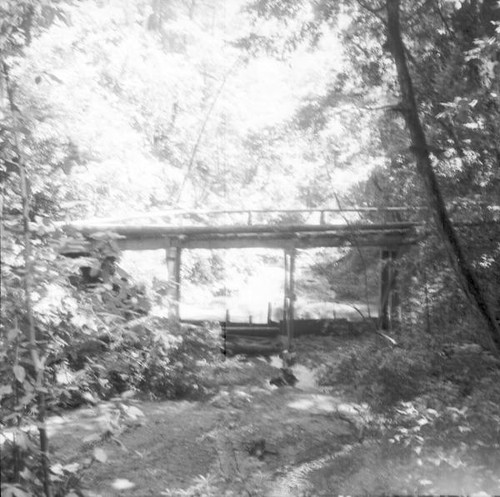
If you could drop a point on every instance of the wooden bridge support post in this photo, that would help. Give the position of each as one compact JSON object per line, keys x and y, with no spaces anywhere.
{"x":288,"y":308}
{"x":174,"y":280}
{"x":387,"y":297}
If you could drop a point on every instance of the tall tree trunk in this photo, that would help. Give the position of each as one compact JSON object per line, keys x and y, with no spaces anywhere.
{"x":455,"y":252}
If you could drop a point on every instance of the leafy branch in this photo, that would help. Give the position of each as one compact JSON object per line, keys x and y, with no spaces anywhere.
{"x":30,"y":331}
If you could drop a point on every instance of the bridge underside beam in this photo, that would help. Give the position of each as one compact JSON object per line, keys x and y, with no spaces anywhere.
{"x":387,"y":241}
{"x":228,"y":230}
{"x":266,"y":242}
{"x":263,"y":236}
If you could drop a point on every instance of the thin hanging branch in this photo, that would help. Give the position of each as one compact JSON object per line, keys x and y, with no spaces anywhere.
{"x":202,"y":130}
{"x":360,"y":253}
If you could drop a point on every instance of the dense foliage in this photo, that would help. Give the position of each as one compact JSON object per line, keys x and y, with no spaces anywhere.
{"x":110,"y":108}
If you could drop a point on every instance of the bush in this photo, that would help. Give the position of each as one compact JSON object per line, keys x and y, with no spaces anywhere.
{"x":382,"y":376}
{"x":385,"y":376}
{"x":156,"y":357}
{"x":465,"y":365}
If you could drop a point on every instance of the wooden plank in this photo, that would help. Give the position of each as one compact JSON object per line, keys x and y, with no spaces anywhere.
{"x":387,"y":236}
{"x":146,"y":243}
{"x":169,"y":230}
{"x":252,"y":345}
{"x":259,"y":241}
{"x":267,"y":242}
{"x":246,"y":325}
{"x":250,"y":331}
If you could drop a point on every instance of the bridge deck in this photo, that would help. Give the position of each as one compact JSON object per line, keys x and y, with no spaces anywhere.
{"x":262,"y":235}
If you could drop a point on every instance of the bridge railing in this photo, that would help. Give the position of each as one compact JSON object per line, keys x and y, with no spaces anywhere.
{"x":317,"y":216}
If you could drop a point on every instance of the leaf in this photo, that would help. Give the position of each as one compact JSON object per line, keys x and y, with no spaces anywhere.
{"x":425,"y":482}
{"x":89,"y":398}
{"x":19,"y":373}
{"x":134,"y":412}
{"x":26,"y":474}
{"x":12,"y":491}
{"x":91,"y":438}
{"x":100,"y":455}
{"x":38,"y":363}
{"x":95,"y":270}
{"x":57,"y":469}
{"x":127,"y":394}
{"x":122,"y":484}
{"x":21,"y":440}
{"x":114,"y":246}
{"x":5,"y":390}
{"x":71,"y":468}
{"x":13,"y":333}
{"x":53,"y":77}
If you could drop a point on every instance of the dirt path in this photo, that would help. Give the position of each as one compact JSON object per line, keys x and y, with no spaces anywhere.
{"x":238,"y":432}
{"x":249,"y":428}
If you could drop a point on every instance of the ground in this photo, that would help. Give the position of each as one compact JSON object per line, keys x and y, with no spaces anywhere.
{"x":250,"y":438}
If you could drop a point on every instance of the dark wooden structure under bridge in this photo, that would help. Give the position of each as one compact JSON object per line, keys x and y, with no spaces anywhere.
{"x":288,"y":230}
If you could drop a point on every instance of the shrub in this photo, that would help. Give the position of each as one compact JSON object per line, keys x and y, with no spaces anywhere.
{"x":155,"y":356}
{"x":465,"y":365}
{"x":381,"y":376}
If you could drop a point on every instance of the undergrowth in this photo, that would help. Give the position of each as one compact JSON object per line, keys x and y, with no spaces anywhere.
{"x":154,"y":356}
{"x":439,"y":414}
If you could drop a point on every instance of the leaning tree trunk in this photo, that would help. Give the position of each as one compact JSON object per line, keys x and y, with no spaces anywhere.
{"x":455,"y":252}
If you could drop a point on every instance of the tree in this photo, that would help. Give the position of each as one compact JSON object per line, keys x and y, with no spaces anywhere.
{"x":420,"y":148}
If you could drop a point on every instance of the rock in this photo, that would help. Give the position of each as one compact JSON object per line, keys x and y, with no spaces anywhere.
{"x":285,"y":378}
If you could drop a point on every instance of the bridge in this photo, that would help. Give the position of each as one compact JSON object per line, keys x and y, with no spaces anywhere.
{"x":215,"y":229}
{"x":285,"y":229}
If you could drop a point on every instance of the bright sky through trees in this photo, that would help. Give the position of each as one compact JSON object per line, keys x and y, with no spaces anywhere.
{"x":181,"y":116}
